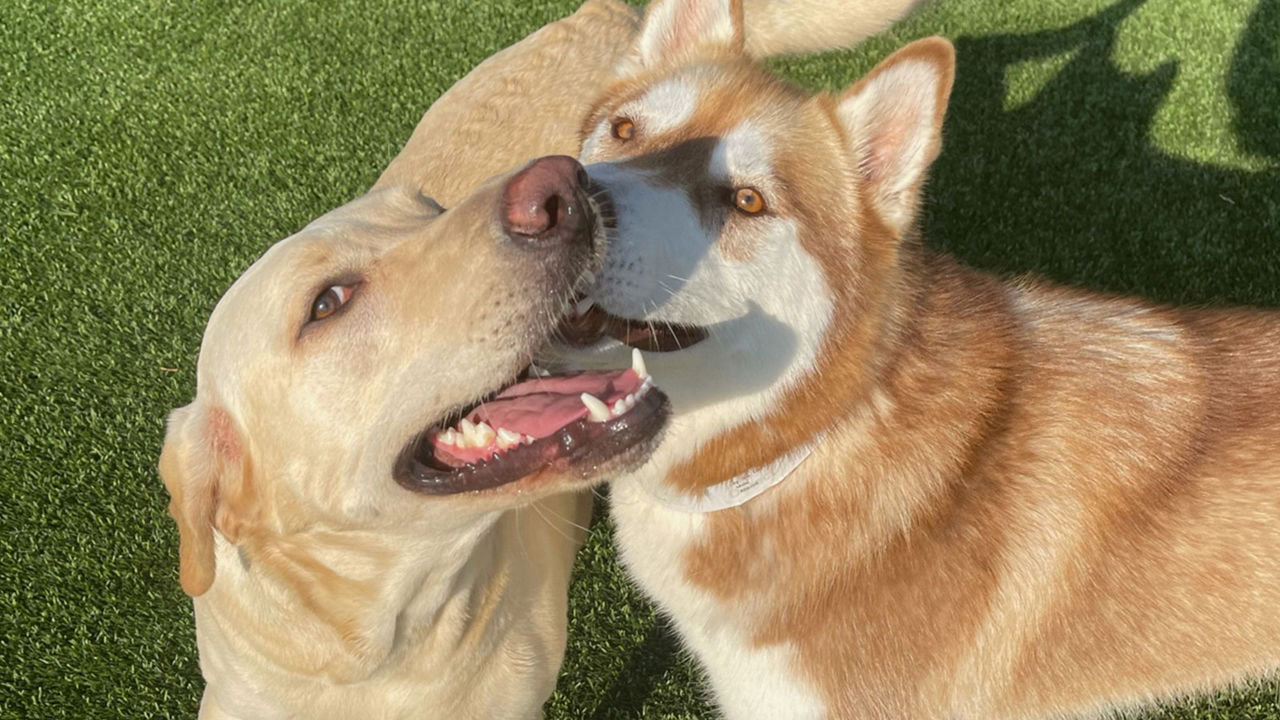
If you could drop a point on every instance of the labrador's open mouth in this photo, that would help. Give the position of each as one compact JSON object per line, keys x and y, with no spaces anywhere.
{"x":576,"y":424}
{"x":566,"y":423}
{"x":588,"y":323}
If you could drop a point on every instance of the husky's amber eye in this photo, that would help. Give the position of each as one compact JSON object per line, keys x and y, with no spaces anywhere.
{"x":623,"y":129}
{"x":748,"y":200}
{"x":330,"y":301}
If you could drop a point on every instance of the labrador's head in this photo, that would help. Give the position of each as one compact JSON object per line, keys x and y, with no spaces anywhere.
{"x":374,"y":370}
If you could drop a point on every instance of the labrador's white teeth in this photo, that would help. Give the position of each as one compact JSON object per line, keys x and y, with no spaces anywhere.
{"x":637,"y":364}
{"x":484,"y":435}
{"x":599,"y":412}
{"x":583,"y":306}
{"x":467,"y":434}
{"x":537,"y":371}
{"x":508,"y":439}
{"x":448,"y":437}
{"x":528,"y":439}
{"x":625,"y":404}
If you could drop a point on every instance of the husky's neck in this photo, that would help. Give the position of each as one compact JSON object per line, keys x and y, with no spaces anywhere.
{"x":936,"y":316}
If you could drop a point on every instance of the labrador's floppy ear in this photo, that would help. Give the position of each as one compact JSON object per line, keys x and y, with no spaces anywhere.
{"x":676,"y":29}
{"x":206,"y":471}
{"x":893,"y":118}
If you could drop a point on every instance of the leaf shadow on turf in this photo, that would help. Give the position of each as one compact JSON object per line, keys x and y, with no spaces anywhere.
{"x":1069,"y":186}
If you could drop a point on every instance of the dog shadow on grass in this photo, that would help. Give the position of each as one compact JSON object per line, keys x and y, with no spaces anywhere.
{"x":1068,"y":186}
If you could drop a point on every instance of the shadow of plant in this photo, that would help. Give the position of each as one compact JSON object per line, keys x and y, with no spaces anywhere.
{"x":1068,"y":185}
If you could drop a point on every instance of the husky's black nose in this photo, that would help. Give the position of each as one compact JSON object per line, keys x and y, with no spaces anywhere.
{"x":546,"y":201}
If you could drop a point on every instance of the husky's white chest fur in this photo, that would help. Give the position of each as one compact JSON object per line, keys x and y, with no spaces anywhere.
{"x":749,"y":680}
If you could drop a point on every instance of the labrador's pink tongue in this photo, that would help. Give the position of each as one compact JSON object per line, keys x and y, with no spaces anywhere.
{"x":536,"y":414}
{"x":540,"y":406}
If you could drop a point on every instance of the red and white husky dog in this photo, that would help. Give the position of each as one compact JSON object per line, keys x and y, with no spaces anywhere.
{"x":892,"y":486}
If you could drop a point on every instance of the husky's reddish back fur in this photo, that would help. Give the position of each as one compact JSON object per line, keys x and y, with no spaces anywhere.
{"x":1025,"y":501}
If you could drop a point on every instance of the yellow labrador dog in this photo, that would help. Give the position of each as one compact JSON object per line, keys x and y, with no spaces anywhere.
{"x":361,"y":483}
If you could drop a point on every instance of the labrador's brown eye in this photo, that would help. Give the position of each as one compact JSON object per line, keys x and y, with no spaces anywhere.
{"x":623,"y":129}
{"x":748,"y":200}
{"x":329,"y":301}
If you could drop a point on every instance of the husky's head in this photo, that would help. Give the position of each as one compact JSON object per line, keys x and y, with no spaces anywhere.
{"x":760,"y":230}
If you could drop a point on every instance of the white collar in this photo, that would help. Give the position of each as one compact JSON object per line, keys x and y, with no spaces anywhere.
{"x":736,"y":490}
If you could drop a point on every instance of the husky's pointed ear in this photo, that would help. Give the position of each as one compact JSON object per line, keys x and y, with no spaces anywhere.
{"x":677,"y":29}
{"x":893,"y":117}
{"x":205,"y":469}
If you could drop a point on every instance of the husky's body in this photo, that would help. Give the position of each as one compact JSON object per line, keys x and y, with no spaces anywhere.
{"x":985,"y":499}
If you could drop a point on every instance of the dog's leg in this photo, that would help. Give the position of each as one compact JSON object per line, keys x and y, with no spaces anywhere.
{"x":210,"y":710}
{"x":777,"y":27}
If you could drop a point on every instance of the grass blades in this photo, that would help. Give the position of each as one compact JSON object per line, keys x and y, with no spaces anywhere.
{"x":150,"y":150}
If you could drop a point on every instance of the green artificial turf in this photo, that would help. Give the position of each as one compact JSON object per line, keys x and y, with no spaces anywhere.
{"x":150,"y":150}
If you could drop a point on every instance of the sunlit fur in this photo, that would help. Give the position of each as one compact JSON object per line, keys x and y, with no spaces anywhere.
{"x":323,"y":589}
{"x":1025,"y":501}
{"x":320,"y":583}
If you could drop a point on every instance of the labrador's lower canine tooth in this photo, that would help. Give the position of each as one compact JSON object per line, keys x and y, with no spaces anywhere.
{"x":599,"y":412}
{"x":637,"y":363}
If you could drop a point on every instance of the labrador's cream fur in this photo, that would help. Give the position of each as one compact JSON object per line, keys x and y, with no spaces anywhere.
{"x":322,"y":589}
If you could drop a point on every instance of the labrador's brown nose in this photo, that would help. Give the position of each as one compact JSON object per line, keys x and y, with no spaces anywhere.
{"x":546,"y":201}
